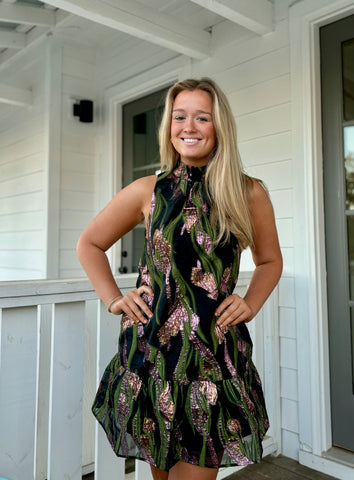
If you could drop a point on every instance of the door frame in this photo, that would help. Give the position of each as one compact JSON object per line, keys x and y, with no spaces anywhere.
{"x":315,"y":434}
{"x":111,"y":123}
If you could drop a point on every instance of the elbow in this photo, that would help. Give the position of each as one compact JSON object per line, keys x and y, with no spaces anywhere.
{"x":82,"y":247}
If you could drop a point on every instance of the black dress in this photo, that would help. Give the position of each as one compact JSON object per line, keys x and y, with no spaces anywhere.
{"x":179,"y":388}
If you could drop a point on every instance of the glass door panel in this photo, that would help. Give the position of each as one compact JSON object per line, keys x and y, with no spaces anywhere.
{"x":141,"y":120}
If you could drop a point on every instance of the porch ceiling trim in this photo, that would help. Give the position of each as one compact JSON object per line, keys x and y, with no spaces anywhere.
{"x":25,"y":15}
{"x":136,"y":19}
{"x":256,"y":15}
{"x":15,"y":96}
{"x":12,"y":40}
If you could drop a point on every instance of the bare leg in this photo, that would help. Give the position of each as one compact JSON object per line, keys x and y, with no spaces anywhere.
{"x":183,"y":471}
{"x":158,"y":474}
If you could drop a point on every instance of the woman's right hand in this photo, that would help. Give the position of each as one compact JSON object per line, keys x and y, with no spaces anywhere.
{"x":133,"y":305}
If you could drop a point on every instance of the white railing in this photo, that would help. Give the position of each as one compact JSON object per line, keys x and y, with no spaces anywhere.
{"x":56,"y":339}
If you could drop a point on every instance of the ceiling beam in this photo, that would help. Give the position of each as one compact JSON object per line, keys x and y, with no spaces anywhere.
{"x":24,"y":15}
{"x":255,"y":15}
{"x":12,"y":39}
{"x":15,"y":96}
{"x":136,"y":19}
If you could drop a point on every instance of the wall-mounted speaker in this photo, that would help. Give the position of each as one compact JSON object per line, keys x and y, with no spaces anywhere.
{"x":84,"y":110}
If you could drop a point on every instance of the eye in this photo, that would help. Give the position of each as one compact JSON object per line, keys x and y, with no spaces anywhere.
{"x":179,"y":118}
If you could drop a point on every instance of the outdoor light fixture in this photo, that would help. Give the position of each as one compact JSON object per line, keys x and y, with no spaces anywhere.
{"x":84,"y":110}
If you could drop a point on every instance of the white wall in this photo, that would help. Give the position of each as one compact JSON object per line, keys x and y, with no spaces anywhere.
{"x":22,"y":175}
{"x":78,"y":154}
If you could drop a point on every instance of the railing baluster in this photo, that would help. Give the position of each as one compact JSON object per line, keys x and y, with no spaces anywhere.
{"x":107,"y":464}
{"x":18,"y":360}
{"x":65,"y":415}
{"x":43,"y":383}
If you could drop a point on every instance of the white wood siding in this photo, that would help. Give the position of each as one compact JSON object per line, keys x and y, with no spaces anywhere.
{"x":22,"y":176}
{"x":78,"y":143}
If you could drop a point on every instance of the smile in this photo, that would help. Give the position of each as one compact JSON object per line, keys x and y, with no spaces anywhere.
{"x":190,"y":140}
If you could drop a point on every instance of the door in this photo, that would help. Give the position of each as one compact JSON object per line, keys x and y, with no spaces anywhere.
{"x":141,"y":120}
{"x":337,"y":79}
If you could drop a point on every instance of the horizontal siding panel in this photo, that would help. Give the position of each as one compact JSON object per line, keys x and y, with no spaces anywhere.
{"x":285,"y":232}
{"x":287,"y":292}
{"x":288,"y":358}
{"x":282,"y":201}
{"x":69,"y":260}
{"x":22,"y":221}
{"x":24,"y":149}
{"x":77,"y":162}
{"x":81,"y":182}
{"x":21,"y":185}
{"x":116,"y":66}
{"x":18,"y":129}
{"x":74,"y":200}
{"x":14,"y":274}
{"x":251,"y":48}
{"x":74,"y":86}
{"x":265,"y":122}
{"x":78,"y":141}
{"x":26,"y":240}
{"x":263,"y":95}
{"x":276,"y":176}
{"x":72,"y":273}
{"x":26,"y":260}
{"x":288,"y":383}
{"x":289,"y":415}
{"x":21,"y":166}
{"x":76,"y":219}
{"x":30,"y":202}
{"x":69,"y":238}
{"x":287,"y":322}
{"x":257,"y":70}
{"x":268,"y":149}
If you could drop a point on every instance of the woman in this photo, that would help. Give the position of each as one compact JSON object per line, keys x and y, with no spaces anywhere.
{"x":182,"y":387}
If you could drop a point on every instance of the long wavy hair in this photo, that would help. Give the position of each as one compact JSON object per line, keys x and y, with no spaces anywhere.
{"x":226,"y":183}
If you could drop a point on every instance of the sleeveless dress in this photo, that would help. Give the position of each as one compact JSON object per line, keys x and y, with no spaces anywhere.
{"x":179,"y":388}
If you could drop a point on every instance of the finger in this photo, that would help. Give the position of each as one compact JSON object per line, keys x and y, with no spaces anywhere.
{"x":228,"y":316}
{"x":143,"y":306}
{"x":224,"y":305}
{"x":145,"y":289}
{"x":132,"y":309}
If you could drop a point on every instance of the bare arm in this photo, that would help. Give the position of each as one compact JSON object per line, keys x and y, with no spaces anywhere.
{"x":128,"y":208}
{"x":267,"y":258}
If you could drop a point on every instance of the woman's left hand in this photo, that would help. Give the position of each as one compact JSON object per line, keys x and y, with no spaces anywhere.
{"x":233,"y":310}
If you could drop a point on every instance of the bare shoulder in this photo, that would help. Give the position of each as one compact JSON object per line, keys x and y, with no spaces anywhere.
{"x":258,"y":195}
{"x":143,"y":187}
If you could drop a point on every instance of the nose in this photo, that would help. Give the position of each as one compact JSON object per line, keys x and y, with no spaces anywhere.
{"x":189,"y":125}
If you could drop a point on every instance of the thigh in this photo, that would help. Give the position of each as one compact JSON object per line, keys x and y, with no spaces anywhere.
{"x":158,"y":474}
{"x":183,"y":470}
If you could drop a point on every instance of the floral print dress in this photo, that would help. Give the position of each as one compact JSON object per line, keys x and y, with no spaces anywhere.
{"x":179,"y":388}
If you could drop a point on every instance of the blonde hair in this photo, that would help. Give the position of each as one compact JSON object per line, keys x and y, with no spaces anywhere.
{"x":226,"y":183}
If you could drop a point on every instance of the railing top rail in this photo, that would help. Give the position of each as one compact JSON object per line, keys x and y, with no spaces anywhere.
{"x":39,"y":292}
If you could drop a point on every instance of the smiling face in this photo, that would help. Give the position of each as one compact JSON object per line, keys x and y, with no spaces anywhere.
{"x":192,"y":129}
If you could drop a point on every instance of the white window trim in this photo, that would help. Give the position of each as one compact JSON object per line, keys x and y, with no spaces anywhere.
{"x":309,"y":238}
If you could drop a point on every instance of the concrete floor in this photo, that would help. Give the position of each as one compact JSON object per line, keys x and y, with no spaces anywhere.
{"x":271,"y":468}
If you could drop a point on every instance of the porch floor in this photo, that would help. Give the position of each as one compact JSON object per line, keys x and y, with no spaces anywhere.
{"x":271,"y":468}
{"x":278,"y":468}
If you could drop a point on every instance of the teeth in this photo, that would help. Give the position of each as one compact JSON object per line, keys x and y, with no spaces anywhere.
{"x":190,"y":140}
